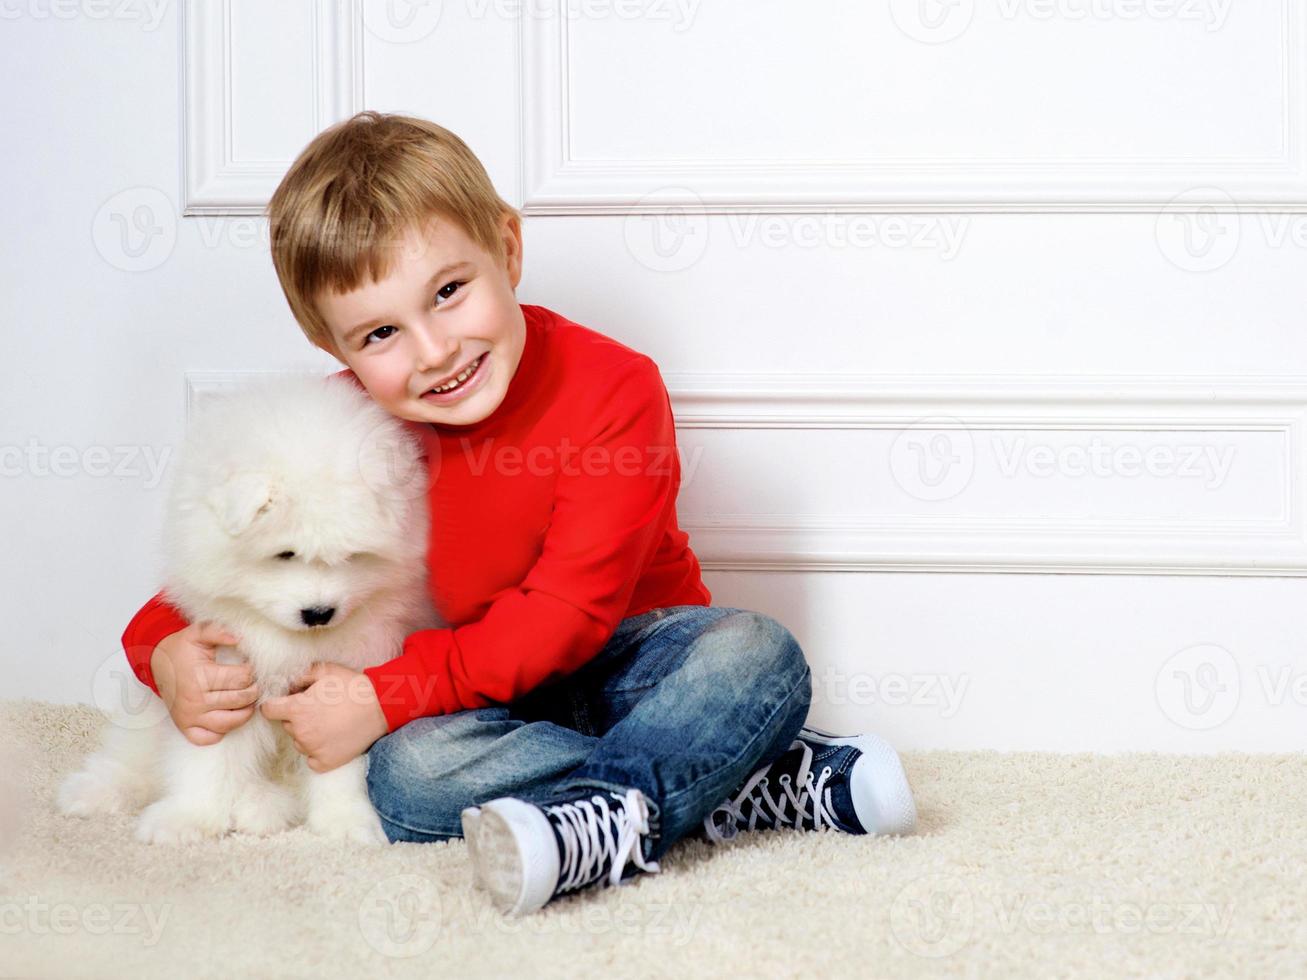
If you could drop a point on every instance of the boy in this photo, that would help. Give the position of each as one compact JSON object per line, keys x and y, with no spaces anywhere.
{"x":588,"y":706}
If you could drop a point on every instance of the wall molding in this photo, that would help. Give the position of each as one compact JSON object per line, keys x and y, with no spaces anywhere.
{"x":798,"y":542}
{"x":213,"y":182}
{"x":554,"y":182}
{"x":802,"y":542}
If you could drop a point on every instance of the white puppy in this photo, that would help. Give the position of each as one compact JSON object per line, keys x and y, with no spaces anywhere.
{"x":297,"y":519}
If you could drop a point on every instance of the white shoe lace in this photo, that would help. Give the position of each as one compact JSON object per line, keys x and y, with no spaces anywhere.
{"x":771,"y":810}
{"x":586,"y":827}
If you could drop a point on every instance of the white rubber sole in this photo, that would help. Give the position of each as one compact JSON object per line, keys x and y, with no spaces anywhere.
{"x":882,"y":796}
{"x":515,"y":856}
{"x":471,"y":820}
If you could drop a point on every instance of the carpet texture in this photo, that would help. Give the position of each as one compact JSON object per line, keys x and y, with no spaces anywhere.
{"x":1025,"y":864}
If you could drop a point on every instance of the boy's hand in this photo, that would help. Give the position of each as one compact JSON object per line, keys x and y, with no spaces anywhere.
{"x":205,"y":699}
{"x":335,"y":719}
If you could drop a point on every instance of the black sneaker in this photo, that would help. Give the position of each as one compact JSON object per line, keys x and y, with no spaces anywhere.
{"x":525,"y":854}
{"x":853,"y":784}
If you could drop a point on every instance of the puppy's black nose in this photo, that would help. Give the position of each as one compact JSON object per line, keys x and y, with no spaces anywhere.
{"x":318,"y":615}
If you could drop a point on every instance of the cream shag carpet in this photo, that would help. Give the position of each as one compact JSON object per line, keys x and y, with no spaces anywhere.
{"x":1025,"y":864}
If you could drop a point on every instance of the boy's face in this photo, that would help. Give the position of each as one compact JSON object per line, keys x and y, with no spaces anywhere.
{"x":444,"y":304}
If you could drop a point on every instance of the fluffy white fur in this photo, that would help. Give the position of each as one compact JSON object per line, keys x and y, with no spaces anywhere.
{"x":311,"y":466}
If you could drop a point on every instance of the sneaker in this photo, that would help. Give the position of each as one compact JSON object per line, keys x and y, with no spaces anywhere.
{"x":526,"y":854}
{"x":860,"y":788}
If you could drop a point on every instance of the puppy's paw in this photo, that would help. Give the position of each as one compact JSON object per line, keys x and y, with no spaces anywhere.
{"x":358,"y":824}
{"x":169,"y":822}
{"x":264,"y":810}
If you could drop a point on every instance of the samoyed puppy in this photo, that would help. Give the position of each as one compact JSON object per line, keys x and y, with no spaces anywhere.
{"x":297,"y":519}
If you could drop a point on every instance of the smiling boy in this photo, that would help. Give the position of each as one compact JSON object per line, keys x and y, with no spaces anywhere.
{"x":588,"y":706}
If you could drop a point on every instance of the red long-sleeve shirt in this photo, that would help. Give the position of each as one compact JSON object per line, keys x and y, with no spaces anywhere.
{"x":551,"y":520}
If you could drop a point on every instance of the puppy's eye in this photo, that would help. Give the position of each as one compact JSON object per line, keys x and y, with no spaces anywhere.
{"x":286,"y":555}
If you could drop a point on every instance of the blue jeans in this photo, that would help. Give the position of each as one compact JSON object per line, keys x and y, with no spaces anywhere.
{"x":683,"y":703}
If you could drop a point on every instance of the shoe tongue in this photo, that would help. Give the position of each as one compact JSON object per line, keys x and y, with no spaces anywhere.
{"x":841,"y":798}
{"x":837,"y":784}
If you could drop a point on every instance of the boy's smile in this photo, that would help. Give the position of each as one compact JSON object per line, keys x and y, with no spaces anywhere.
{"x":446,"y":307}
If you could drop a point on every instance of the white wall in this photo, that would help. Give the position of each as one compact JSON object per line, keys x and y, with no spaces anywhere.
{"x":981,"y":320}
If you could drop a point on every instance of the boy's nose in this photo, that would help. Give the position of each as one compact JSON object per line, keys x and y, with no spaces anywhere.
{"x":435,"y":356}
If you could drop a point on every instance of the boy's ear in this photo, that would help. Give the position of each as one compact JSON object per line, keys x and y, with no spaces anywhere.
{"x":240,"y":500}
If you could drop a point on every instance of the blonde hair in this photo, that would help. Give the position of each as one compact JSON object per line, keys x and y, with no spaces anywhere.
{"x":353,"y":193}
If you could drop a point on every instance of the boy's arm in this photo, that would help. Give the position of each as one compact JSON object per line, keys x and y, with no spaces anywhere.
{"x":612,"y":505}
{"x":155,"y":620}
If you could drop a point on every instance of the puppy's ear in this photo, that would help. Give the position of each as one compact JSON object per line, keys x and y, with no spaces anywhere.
{"x":241,"y":499}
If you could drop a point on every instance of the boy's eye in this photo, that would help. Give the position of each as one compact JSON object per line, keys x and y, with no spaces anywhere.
{"x":368,"y":338}
{"x":449,"y":285}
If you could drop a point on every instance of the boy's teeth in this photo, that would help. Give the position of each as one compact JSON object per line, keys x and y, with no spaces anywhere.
{"x":467,"y":372}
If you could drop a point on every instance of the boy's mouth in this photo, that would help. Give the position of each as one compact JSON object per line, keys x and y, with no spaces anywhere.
{"x":459,"y":379}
